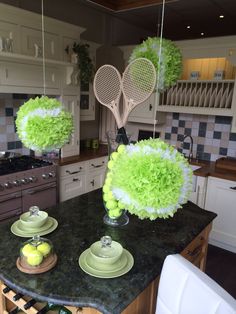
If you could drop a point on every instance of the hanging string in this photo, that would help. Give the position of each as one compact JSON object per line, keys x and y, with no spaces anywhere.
{"x":43,"y":50}
{"x":157,"y":95}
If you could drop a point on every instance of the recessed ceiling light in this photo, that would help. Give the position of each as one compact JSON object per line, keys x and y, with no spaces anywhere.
{"x":202,"y":34}
{"x":221,"y":16}
{"x":188,"y":26}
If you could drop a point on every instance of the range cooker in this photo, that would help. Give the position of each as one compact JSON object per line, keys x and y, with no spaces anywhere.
{"x":24,"y":182}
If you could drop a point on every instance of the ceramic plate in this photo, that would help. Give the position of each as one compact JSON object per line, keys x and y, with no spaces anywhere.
{"x":121,"y":263}
{"x":19,"y":232}
{"x":98,"y":273}
{"x":48,"y":224}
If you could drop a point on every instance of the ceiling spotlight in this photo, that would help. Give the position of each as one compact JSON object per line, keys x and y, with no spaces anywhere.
{"x":221,"y":16}
{"x":188,"y":27}
{"x":202,"y":34}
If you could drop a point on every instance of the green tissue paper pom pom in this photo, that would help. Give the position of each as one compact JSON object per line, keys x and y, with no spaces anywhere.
{"x":42,"y":124}
{"x":170,"y":62}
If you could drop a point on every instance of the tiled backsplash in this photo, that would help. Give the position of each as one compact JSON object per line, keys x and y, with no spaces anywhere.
{"x":9,"y":105}
{"x":211,"y":135}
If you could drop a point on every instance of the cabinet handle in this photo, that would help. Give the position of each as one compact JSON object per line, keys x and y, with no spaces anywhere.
{"x":75,"y":179}
{"x":198,"y":191}
{"x":195,"y":252}
{"x":97,"y":166}
{"x":233,"y":187}
{"x":68,"y":171}
{"x":150,"y":107}
{"x":92,"y":182}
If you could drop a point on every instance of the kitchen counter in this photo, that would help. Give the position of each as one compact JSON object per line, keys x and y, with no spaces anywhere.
{"x":85,"y":154}
{"x":215,"y":169}
{"x":80,"y":224}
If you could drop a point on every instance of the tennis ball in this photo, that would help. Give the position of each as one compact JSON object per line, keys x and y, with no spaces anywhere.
{"x":110,"y":195}
{"x":44,"y":248}
{"x":111,"y":204}
{"x":108,"y":181}
{"x":114,"y":155}
{"x":115,"y":213}
{"x":28,"y":249}
{"x":105,"y":197}
{"x":105,"y":188}
{"x":121,"y":149}
{"x":35,"y":258}
{"x":110,"y":164}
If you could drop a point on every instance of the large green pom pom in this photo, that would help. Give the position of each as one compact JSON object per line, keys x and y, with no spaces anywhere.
{"x":42,"y":124}
{"x":170,"y":63}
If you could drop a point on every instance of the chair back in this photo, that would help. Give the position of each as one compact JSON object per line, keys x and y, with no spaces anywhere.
{"x":185,"y":289}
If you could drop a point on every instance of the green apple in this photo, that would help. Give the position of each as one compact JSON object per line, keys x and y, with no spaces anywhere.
{"x":44,"y":248}
{"x":35,"y":258}
{"x":28,"y":249}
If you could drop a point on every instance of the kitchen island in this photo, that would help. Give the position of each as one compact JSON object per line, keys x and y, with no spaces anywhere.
{"x":80,"y":223}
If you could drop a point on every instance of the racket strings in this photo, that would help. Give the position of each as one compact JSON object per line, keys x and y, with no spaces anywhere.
{"x":139,"y":80}
{"x":107,"y":85}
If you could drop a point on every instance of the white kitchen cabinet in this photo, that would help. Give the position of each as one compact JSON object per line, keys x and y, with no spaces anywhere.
{"x":221,"y":199}
{"x":198,"y":194}
{"x":71,"y":103}
{"x":72,"y":180}
{"x":82,"y":177}
{"x":146,"y":113}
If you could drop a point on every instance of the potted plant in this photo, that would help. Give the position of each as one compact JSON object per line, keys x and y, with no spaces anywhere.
{"x":84,"y":61}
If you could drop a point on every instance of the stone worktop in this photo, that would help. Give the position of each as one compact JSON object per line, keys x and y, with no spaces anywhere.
{"x":80,"y":224}
{"x":217,"y":169}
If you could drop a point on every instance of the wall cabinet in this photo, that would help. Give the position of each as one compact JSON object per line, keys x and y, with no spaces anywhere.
{"x":81,"y":177}
{"x":221,"y":199}
{"x":146,"y":112}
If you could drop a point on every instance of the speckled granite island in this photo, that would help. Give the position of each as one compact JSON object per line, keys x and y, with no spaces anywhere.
{"x":80,"y":224}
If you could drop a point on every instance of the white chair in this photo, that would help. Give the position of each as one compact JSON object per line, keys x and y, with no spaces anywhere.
{"x":185,"y":289}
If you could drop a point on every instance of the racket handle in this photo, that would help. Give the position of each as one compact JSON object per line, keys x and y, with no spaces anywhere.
{"x":122,"y":136}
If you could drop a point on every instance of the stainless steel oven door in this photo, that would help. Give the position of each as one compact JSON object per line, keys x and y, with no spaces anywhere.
{"x":43,"y":196}
{"x":10,"y":205}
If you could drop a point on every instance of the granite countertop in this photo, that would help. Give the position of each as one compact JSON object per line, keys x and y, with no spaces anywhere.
{"x":80,"y":224}
{"x":217,"y":169}
{"x":85,"y":154}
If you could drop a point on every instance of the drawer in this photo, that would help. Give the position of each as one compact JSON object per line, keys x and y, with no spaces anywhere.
{"x":73,"y":169}
{"x":97,"y":163}
{"x":72,"y":187}
{"x":195,"y":249}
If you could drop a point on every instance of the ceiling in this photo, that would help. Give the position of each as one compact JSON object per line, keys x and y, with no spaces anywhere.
{"x":201,"y":15}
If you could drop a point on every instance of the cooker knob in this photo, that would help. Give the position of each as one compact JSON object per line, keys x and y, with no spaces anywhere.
{"x":8,"y":185}
{"x":32,"y":179}
{"x":16,"y":182}
{"x":1,"y":187}
{"x":23,"y":181}
{"x":45,"y":175}
{"x":52,"y":174}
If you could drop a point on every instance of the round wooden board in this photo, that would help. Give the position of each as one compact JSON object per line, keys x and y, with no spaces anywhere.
{"x":46,"y":265}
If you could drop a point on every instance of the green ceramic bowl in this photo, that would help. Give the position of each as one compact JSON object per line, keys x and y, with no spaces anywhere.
{"x":106,"y":255}
{"x":31,"y":221}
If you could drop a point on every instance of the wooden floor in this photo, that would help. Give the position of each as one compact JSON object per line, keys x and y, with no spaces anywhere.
{"x":221,"y":266}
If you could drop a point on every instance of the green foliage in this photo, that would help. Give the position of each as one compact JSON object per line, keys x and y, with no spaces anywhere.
{"x":171,"y":59}
{"x":43,"y":125}
{"x":84,"y":62}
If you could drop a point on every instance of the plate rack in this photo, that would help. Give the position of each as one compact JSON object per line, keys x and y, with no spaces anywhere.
{"x":199,"y":94}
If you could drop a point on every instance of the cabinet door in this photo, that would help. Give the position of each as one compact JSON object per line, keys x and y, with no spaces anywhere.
{"x":72,"y":147}
{"x":198,"y":194}
{"x":221,"y":199}
{"x":144,"y":112}
{"x":95,"y":180}
{"x":71,"y":186}
{"x":87,"y":102}
{"x":9,"y":41}
{"x":32,"y":43}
